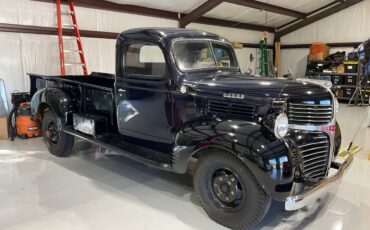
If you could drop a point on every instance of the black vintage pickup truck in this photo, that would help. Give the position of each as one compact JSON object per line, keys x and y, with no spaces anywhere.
{"x":178,"y":96}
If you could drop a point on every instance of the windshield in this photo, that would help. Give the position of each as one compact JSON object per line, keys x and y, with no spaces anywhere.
{"x":193,"y":55}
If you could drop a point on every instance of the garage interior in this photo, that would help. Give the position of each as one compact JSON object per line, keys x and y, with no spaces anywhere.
{"x":96,"y":188}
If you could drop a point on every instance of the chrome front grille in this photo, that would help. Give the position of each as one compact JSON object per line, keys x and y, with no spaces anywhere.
{"x":231,"y":108}
{"x":310,"y":114}
{"x":315,"y":155}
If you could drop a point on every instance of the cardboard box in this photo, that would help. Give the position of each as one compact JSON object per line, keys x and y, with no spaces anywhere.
{"x":4,"y":128}
{"x":340,"y":68}
{"x":237,"y":45}
{"x":339,"y":93}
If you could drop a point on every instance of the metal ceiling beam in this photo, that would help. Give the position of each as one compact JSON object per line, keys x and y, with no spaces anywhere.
{"x":125,"y":8}
{"x":251,"y":45}
{"x":268,"y":7}
{"x":337,"y":45}
{"x":199,"y":11}
{"x":331,"y":4}
{"x":288,"y":24}
{"x":133,"y":9}
{"x":344,"y":4}
{"x":233,"y":24}
{"x":14,"y":28}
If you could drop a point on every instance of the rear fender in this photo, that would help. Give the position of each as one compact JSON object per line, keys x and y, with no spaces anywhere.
{"x":59,"y":101}
{"x":268,"y":158}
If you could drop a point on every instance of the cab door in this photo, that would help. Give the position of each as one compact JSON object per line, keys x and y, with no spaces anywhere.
{"x":143,"y":101}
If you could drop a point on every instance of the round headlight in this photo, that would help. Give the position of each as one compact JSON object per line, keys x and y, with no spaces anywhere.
{"x":281,"y":125}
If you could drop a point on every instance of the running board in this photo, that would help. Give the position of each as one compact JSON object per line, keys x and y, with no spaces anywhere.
{"x":117,"y":148}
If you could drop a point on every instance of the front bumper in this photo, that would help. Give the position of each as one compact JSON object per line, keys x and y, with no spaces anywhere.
{"x":308,"y":195}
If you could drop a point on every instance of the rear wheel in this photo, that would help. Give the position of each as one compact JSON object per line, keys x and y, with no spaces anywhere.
{"x":228,"y":191}
{"x":59,"y":143}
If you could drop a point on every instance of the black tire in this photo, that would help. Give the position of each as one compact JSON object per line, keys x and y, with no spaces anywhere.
{"x":245,"y":211}
{"x":11,"y":123}
{"x":59,"y":143}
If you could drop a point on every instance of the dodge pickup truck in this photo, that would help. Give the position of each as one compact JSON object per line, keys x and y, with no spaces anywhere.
{"x":178,"y":96}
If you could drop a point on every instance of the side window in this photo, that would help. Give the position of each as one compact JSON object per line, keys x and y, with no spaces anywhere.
{"x":224,"y":56}
{"x":143,"y":59}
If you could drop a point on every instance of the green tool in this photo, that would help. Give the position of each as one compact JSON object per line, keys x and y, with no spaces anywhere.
{"x":264,"y":58}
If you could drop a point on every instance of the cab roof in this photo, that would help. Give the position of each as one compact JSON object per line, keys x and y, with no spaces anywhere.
{"x":170,"y":34}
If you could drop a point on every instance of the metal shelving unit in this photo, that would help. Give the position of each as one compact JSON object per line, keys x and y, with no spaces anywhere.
{"x":343,"y":87}
{"x":341,"y":74}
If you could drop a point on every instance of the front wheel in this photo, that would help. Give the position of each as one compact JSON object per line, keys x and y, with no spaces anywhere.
{"x":228,"y":191}
{"x":59,"y":143}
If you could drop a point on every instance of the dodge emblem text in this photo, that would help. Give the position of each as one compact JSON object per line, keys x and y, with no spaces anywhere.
{"x":234,"y":95}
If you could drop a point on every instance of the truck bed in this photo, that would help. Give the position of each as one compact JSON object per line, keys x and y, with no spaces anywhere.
{"x":94,"y":97}
{"x":94,"y":93}
{"x":102,"y":81}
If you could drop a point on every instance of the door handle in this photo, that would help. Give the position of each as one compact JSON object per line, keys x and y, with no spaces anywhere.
{"x":121,"y":90}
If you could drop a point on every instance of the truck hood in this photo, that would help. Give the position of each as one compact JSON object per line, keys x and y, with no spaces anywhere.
{"x":247,"y":85}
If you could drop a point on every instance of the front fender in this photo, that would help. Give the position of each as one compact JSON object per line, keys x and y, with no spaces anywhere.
{"x":268,"y":158}
{"x":60,"y":101}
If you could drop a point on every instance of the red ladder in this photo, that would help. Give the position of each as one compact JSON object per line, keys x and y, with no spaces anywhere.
{"x":76,"y":31}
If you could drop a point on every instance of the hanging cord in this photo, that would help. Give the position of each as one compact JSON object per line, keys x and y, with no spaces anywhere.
{"x":249,"y":70}
{"x":267,"y":2}
{"x":359,"y":127}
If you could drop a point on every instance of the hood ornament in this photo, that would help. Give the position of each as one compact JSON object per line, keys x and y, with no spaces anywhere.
{"x":234,"y":95}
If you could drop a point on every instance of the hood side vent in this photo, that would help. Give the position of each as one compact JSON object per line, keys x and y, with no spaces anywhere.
{"x":230,"y":108}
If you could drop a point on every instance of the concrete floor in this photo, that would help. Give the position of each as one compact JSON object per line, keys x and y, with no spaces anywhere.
{"x":92,"y":191}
